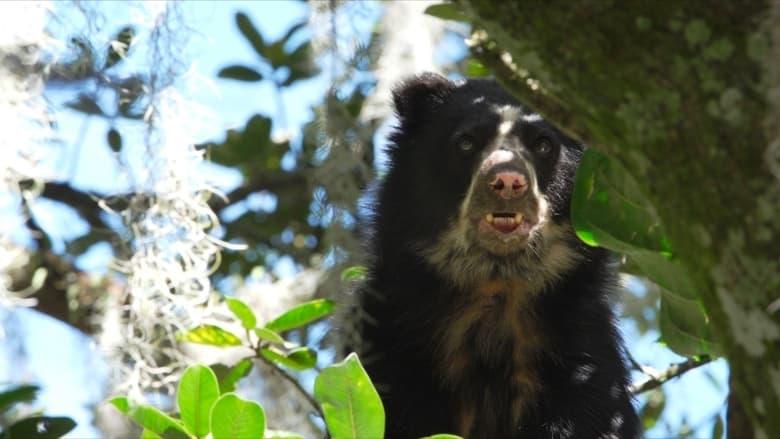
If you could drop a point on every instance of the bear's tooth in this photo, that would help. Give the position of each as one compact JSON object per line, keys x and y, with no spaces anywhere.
{"x":489,"y":218}
{"x":518,"y":218}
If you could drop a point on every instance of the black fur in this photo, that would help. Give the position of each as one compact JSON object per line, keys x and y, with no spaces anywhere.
{"x":540,"y":356}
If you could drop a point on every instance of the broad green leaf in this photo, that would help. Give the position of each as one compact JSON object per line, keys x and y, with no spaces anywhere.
{"x":114,"y":140}
{"x":211,"y":335}
{"x":236,"y":418}
{"x":610,"y":210}
{"x":119,"y":46}
{"x":683,"y":330}
{"x":17,"y":394}
{"x":229,"y":376}
{"x":281,"y":434}
{"x":39,"y":427}
{"x":147,"y":434}
{"x":240,"y":73}
{"x":349,"y":401}
{"x":355,"y":272}
{"x":250,"y":32}
{"x":150,"y":418}
{"x":198,"y":390}
{"x":301,"y":315}
{"x":269,"y":336}
{"x":121,"y":403}
{"x":301,"y":358}
{"x":243,"y":312}
{"x":446,"y":11}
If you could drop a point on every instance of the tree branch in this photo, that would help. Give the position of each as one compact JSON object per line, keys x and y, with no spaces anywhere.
{"x":269,"y":181}
{"x":675,"y":370}
{"x":84,"y":203}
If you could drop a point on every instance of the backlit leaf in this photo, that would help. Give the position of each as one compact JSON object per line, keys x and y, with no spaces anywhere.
{"x":236,"y":418}
{"x":198,"y":390}
{"x":211,"y":335}
{"x":229,"y":376}
{"x":150,"y":418}
{"x":349,"y":401}
{"x":243,"y":312}
{"x":301,"y":358}
{"x":301,"y":315}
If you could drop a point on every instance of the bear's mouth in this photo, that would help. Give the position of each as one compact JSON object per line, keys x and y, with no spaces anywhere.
{"x":507,"y":224}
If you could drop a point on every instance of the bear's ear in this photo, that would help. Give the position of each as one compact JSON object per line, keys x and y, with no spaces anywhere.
{"x":414,"y":97}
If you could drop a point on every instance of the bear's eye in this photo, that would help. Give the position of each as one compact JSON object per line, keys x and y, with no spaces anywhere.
{"x":465,"y":143}
{"x":543,"y":146}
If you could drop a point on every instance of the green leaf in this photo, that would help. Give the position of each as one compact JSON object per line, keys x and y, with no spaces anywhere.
{"x":301,"y":315}
{"x":354,"y":273}
{"x":119,"y":46}
{"x":683,"y":330}
{"x":243,"y":312}
{"x":349,"y":401}
{"x":301,"y":358}
{"x":114,"y":140}
{"x":211,"y":335}
{"x":17,"y":394}
{"x":446,"y":11}
{"x":236,"y":418}
{"x":281,"y":434}
{"x":250,"y":32}
{"x":86,"y":105}
{"x":240,"y":73}
{"x":198,"y":390}
{"x":150,"y":418}
{"x":610,"y":210}
{"x":40,"y":427}
{"x":146,"y":434}
{"x":229,"y":376}
{"x":269,"y":336}
{"x":476,"y":69}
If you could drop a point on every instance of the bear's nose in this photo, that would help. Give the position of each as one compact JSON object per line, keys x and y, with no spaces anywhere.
{"x":509,"y":184}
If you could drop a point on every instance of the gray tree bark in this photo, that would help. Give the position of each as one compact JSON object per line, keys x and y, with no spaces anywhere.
{"x":686,"y":96}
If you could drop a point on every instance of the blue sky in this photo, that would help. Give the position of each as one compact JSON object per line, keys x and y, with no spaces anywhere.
{"x":65,"y":363}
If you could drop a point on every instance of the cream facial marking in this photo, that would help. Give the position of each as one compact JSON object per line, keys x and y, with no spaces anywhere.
{"x":509,"y":115}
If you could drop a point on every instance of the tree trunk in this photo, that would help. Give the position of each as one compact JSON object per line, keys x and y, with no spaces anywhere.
{"x":686,"y":96}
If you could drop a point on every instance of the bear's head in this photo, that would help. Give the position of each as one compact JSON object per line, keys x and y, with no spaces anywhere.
{"x":478,"y":185}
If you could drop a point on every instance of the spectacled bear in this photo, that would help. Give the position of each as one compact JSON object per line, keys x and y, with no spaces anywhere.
{"x":483,"y":315}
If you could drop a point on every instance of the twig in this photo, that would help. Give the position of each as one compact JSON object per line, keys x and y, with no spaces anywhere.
{"x":257,"y":346}
{"x":294,"y":382}
{"x":673,"y":371}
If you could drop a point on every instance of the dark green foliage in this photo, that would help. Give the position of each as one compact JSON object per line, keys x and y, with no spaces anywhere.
{"x":32,"y":427}
{"x":610,"y":210}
